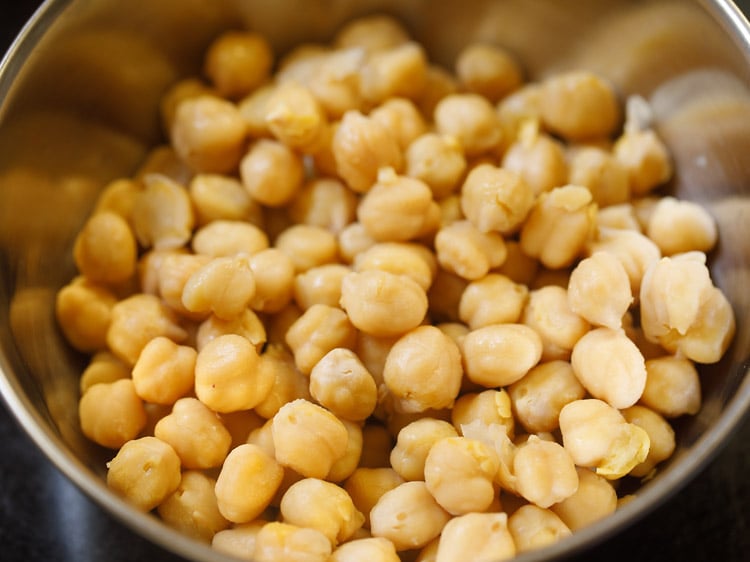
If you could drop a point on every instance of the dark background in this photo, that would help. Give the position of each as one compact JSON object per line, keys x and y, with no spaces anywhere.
{"x":43,"y":517}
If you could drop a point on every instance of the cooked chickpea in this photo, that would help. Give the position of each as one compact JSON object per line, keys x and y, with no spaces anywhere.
{"x":681,"y":226}
{"x":488,"y":406}
{"x":145,"y":472}
{"x":545,"y":472}
{"x":341,"y":383}
{"x":381,"y":303}
{"x":488,"y":70}
{"x":319,"y":285}
{"x":308,"y":246}
{"x":254,"y":108}
{"x":225,"y":286}
{"x":500,"y":354}
{"x":164,"y":371}
{"x":105,"y":249}
{"x":222,"y":238}
{"x":163,"y":216}
{"x":239,"y":539}
{"x":288,"y":383}
{"x":402,"y":118}
{"x":371,"y":33}
{"x":492,"y":299}
{"x":192,"y":508}
{"x":595,"y":499}
{"x":495,"y":199}
{"x":336,"y":82}
{"x":618,"y":217}
{"x":295,"y":117}
{"x":673,"y":386}
{"x":320,"y":329}
{"x":177,"y":93}
{"x":601,"y":173}
{"x":246,"y":324}
{"x":423,"y":370}
{"x":646,"y":159}
{"x":559,"y":225}
{"x":465,"y":250}
{"x":348,"y":463}
{"x":438,"y":161}
{"x":84,"y":313}
{"x":282,"y":541}
{"x":460,"y":474}
{"x":326,"y":507}
{"x":398,"y":71}
{"x":471,"y":119}
{"x":548,"y":312}
{"x":102,"y":368}
{"x":537,"y":158}
{"x":273,"y":272}
{"x":172,"y":269}
{"x":635,"y":251}
{"x":599,"y":290}
{"x":579,"y":106}
{"x":365,"y":486}
{"x":247,"y":482}
{"x":476,"y":536}
{"x":399,"y":258}
{"x":518,"y":109}
{"x":271,"y":172}
{"x":219,"y":197}
{"x":354,"y":240}
{"x":237,"y":62}
{"x":361,"y":146}
{"x":533,"y":527}
{"x":111,"y":414}
{"x":408,"y":516}
{"x":540,"y":395}
{"x":226,"y":375}
{"x":326,"y":203}
{"x":660,"y":434}
{"x":373,"y":549}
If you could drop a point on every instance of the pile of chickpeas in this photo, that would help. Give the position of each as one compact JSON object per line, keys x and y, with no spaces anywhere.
{"x":361,"y":307}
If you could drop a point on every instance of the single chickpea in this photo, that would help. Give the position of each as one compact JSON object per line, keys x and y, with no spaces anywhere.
{"x":397,"y":208}
{"x":533,"y":527}
{"x":137,"y":320}
{"x":599,"y":290}
{"x":326,"y":507}
{"x":192,"y":508}
{"x":247,"y":482}
{"x":488,"y":70}
{"x":540,"y":395}
{"x":618,"y":217}
{"x":163,"y":216}
{"x":172,"y":270}
{"x":597,"y":436}
{"x":545,"y":472}
{"x":336,"y":83}
{"x":177,"y":93}
{"x":471,"y":119}
{"x":225,"y":286}
{"x":105,"y":249}
{"x":601,"y":173}
{"x":237,"y":62}
{"x":579,"y":106}
{"x":325,"y":203}
{"x":300,"y":427}
{"x":361,"y":146}
{"x":594,"y":500}
{"x":492,"y":299}
{"x":408,"y":516}
{"x":145,"y":472}
{"x":383,"y":304}
{"x":288,"y":383}
{"x":163,"y":160}
{"x":660,"y":434}
{"x":465,"y":250}
{"x":348,"y":463}
{"x":399,"y":258}
{"x":208,"y":134}
{"x":500,"y":354}
{"x":239,"y":539}
{"x":373,"y":549}
{"x":195,"y":433}
{"x":681,"y":226}
{"x":488,"y":406}
{"x":396,"y":72}
{"x":320,"y":329}
{"x":354,"y":240}
{"x":402,"y":118}
{"x":537,"y":158}
{"x":673,"y":386}
{"x":271,"y":172}
{"x":371,"y":33}
{"x":254,"y":109}
{"x":295,"y":117}
{"x":635,"y":251}
{"x":226,"y":375}
{"x":222,"y":198}
{"x":341,"y":383}
{"x":111,"y":414}
{"x":301,"y":63}
{"x":308,"y":246}
{"x":438,"y":161}
{"x":84,"y":312}
{"x":319,"y":285}
{"x":423,"y":370}
{"x":476,"y":536}
{"x":495,"y":199}
{"x":645,"y":157}
{"x":273,"y":272}
{"x":460,"y":473}
{"x":118,"y":197}
{"x":559,"y":225}
{"x":103,"y":367}
{"x":221,"y":238}
{"x":164,"y":371}
{"x":517,"y":110}
{"x":283,"y":541}
{"x":365,"y":486}
{"x":246,"y":324}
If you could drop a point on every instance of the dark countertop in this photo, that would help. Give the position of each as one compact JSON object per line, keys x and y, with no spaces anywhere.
{"x":43,"y":517}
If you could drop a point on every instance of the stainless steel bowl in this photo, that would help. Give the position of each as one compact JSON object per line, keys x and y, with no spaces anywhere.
{"x":78,"y":107}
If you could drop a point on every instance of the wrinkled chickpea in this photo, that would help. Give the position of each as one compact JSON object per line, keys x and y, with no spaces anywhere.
{"x":471,"y":119}
{"x":537,"y":158}
{"x":599,"y":290}
{"x":476,"y":536}
{"x":437,"y":160}
{"x":533,"y":527}
{"x":320,"y":329}
{"x":164,"y":371}
{"x":271,"y":172}
{"x":468,"y":252}
{"x":111,"y":414}
{"x":493,"y":299}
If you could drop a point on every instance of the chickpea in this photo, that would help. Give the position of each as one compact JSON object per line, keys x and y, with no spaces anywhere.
{"x":371,"y":33}
{"x":273,"y":272}
{"x":500,"y":354}
{"x":226,"y":375}
{"x":321,"y":505}
{"x":172,"y":270}
{"x":681,"y":226}
{"x":105,"y":249}
{"x":635,"y":251}
{"x":246,"y":324}
{"x":224,"y":238}
{"x":341,"y":383}
{"x":239,"y":539}
{"x":439,"y":83}
{"x":348,"y":463}
{"x":381,"y":303}
{"x":493,"y":299}
{"x":488,"y":70}
{"x":533,"y":527}
{"x":216,"y":197}
{"x":399,"y":258}
{"x":103,"y":368}
{"x":599,"y":290}
{"x":539,"y":396}
{"x":408,"y":516}
{"x":111,"y":414}
{"x":354,"y":240}
{"x":397,"y":208}
{"x":145,"y":472}
{"x":470,"y":119}
{"x":361,"y":146}
{"x":84,"y":313}
{"x":476,"y":536}
{"x":237,"y":62}
{"x":308,"y":246}
{"x":247,"y":482}
{"x":545,"y":472}
{"x":319,"y":285}
{"x":495,"y":199}
{"x":646,"y":159}
{"x":559,"y":225}
{"x":595,"y":499}
{"x":164,"y":371}
{"x":468,"y":252}
{"x":225,"y":286}
{"x":320,"y":329}
{"x":181,"y":90}
{"x":336,"y":83}
{"x":271,"y":172}
{"x":402,"y":118}
{"x":460,"y":473}
{"x":672,"y":386}
{"x":660,"y":434}
{"x":398,"y":71}
{"x":488,"y":406}
{"x":579,"y":106}
{"x":295,"y":117}
{"x":537,"y":158}
{"x":517,"y":110}
{"x":282,"y":541}
{"x":192,"y":508}
{"x":288,"y":383}
{"x":423,"y":370}
{"x":254,"y":108}
{"x":137,"y":320}
{"x":162,"y":214}
{"x":301,"y":426}
{"x":601,"y":173}
{"x":618,"y":217}
{"x":365,"y":486}
{"x":438,"y":161}
{"x":373,"y":549}
{"x":325,"y":203}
